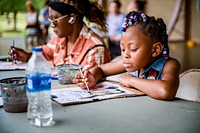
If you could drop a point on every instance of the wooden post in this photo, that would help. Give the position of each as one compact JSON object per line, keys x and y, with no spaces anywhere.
{"x":187,"y":20}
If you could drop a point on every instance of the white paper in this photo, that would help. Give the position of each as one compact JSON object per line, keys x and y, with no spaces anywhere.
{"x":1,"y":102}
{"x":10,"y":66}
{"x":101,"y":91}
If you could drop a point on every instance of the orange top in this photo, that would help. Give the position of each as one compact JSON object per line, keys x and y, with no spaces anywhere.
{"x":89,"y":49}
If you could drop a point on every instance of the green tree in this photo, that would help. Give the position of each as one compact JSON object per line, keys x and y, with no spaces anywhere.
{"x":15,"y":6}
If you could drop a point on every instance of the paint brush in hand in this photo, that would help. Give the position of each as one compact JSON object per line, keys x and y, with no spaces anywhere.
{"x":88,"y":89}
{"x":13,"y":52}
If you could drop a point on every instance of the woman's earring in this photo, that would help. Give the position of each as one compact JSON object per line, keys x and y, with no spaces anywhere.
{"x":71,"y":21}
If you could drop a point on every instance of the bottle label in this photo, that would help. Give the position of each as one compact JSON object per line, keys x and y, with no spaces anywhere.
{"x":38,"y":83}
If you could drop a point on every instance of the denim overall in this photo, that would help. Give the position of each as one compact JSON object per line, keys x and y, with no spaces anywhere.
{"x":154,"y":71}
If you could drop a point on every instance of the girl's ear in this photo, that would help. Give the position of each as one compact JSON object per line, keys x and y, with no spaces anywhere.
{"x":157,"y":49}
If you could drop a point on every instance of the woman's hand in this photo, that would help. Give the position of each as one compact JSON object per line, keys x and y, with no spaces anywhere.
{"x":19,"y":54}
{"x":86,"y":77}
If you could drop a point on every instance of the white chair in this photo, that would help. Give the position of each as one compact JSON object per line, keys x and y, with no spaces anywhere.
{"x":189,"y":88}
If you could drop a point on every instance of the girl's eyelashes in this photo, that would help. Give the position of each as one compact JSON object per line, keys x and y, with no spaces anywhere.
{"x":122,"y":50}
{"x":134,"y":50}
{"x":130,"y":48}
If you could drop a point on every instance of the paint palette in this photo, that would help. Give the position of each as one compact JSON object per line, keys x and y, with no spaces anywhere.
{"x":67,"y":72}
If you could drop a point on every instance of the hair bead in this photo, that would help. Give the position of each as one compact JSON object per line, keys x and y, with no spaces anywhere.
{"x":144,"y":17}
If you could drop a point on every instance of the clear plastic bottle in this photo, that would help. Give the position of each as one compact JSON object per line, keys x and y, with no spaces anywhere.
{"x":38,"y":86}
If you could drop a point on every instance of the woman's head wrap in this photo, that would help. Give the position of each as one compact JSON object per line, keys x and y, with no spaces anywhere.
{"x":91,"y":10}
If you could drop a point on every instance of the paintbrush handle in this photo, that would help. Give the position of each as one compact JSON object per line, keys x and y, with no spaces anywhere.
{"x":85,"y":81}
{"x":13,"y":52}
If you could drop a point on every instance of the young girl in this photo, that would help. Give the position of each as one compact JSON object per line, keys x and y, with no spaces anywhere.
{"x":145,"y":57}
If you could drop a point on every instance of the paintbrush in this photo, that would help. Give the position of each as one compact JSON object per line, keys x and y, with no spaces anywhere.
{"x":85,"y":81}
{"x":13,"y":52}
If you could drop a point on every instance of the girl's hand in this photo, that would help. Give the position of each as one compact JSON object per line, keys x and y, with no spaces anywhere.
{"x":87,"y":76}
{"x":125,"y":80}
{"x":19,"y":54}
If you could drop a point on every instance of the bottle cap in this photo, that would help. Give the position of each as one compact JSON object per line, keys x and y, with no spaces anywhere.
{"x":37,"y":49}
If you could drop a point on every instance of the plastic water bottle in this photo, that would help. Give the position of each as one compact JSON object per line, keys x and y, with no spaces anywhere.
{"x":38,"y":86}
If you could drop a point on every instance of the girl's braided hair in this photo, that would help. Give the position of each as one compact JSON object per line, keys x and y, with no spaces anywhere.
{"x":151,"y":27}
{"x":91,"y":10}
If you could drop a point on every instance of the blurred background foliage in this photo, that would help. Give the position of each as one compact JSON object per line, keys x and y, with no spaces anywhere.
{"x":13,"y":15}
{"x":7,"y":6}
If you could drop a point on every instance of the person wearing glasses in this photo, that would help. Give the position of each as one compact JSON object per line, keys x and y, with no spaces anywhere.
{"x":74,"y":42}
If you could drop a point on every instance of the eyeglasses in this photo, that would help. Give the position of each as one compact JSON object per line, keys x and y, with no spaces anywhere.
{"x":55,"y":20}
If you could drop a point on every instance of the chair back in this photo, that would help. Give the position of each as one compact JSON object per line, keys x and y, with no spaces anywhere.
{"x":189,"y":88}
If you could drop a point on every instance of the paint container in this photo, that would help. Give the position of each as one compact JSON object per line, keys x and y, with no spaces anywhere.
{"x":13,"y":92}
{"x":67,"y":72}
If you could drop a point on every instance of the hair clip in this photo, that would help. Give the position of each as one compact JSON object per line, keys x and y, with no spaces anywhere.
{"x":135,"y":17}
{"x":130,"y":21}
{"x":131,"y":17}
{"x":144,"y":17}
{"x":124,"y":25}
{"x":165,"y":54}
